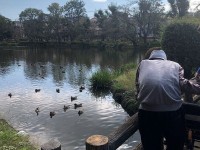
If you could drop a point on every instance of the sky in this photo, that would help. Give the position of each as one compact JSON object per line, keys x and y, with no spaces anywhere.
{"x":12,"y":8}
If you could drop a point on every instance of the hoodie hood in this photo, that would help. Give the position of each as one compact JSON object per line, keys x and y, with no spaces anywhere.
{"x":158,"y":54}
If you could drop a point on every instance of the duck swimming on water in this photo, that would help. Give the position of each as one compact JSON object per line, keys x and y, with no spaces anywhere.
{"x":73,"y":98}
{"x":82,"y":87}
{"x":37,"y":110}
{"x":10,"y":95}
{"x":80,"y":112}
{"x":58,"y":90}
{"x":52,"y":113}
{"x":66,"y":107}
{"x":37,"y":90}
{"x":77,"y":105}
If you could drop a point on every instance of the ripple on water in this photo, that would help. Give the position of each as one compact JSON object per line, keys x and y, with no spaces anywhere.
{"x":101,"y":115}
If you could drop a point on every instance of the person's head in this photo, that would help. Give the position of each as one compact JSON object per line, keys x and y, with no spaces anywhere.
{"x":155,"y":53}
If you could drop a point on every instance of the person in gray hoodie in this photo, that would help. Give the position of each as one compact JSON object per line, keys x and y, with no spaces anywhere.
{"x":159,"y":84}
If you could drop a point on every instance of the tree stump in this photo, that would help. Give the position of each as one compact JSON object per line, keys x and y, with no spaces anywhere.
{"x":53,"y":144}
{"x":97,"y":142}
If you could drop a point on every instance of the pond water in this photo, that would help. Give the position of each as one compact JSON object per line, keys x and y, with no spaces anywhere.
{"x":22,"y":70}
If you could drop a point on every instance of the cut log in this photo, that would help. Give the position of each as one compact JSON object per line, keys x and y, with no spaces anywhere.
{"x":97,"y":142}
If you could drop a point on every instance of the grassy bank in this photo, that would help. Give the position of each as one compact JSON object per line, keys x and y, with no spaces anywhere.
{"x":10,"y":140}
{"x":122,"y":84}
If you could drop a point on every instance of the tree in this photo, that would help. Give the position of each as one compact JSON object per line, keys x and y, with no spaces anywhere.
{"x":102,"y":17}
{"x":148,"y":17}
{"x":129,"y":29}
{"x":6,"y":28}
{"x":33,"y":23}
{"x":55,"y":21}
{"x":179,"y":8}
{"x":181,"y":40}
{"x":115,"y":22}
{"x":75,"y":16}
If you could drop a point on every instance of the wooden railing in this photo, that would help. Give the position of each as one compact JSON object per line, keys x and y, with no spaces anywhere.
{"x":122,"y":133}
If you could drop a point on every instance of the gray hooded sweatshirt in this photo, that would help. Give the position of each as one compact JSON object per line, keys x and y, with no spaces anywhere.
{"x":159,"y":83}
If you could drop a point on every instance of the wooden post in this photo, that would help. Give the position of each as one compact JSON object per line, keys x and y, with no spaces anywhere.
{"x":97,"y":142}
{"x":53,"y":144}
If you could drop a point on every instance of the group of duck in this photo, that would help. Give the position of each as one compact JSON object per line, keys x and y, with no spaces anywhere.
{"x":53,"y":113}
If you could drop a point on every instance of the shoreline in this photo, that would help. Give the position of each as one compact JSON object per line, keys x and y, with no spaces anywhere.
{"x":12,"y":138}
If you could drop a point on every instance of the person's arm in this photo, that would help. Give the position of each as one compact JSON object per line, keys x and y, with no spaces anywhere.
{"x":189,"y":86}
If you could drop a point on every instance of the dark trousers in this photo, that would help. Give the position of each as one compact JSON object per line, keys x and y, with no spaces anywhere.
{"x":154,"y":126}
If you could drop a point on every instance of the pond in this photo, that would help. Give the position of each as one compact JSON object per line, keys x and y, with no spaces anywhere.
{"x":22,"y":70}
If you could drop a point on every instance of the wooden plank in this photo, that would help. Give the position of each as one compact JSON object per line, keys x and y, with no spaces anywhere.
{"x":138,"y":147}
{"x":121,"y":134}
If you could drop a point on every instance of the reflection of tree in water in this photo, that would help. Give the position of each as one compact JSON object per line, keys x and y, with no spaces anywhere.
{"x":77,"y":64}
{"x":7,"y":60}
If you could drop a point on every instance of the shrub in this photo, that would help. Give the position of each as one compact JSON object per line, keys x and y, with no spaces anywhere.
{"x":181,"y":41}
{"x":101,"y":79}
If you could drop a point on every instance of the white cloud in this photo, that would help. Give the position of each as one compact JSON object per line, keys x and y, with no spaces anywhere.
{"x":101,"y":1}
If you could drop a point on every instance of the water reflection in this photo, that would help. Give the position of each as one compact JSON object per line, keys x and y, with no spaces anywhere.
{"x":23,"y":71}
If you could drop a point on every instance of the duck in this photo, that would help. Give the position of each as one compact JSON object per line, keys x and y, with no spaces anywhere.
{"x":61,"y":67}
{"x":58,"y":90}
{"x":66,"y":107}
{"x":37,"y":90}
{"x":80,"y":112}
{"x":63,"y":71}
{"x":73,"y":98}
{"x":52,"y":113}
{"x":10,"y":95}
{"x":82,"y":87}
{"x":37,"y":110}
{"x":77,"y":105}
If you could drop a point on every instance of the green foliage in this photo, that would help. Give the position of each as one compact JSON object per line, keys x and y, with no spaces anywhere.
{"x":33,"y":21}
{"x":10,"y":140}
{"x":124,"y":69}
{"x":125,"y":81}
{"x":123,"y":78}
{"x":149,"y":17}
{"x":181,"y":41}
{"x":6,"y":28}
{"x":101,"y":79}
